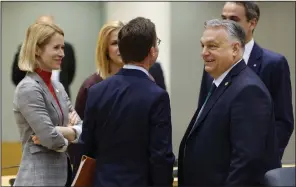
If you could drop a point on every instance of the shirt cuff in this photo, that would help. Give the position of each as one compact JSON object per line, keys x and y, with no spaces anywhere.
{"x":78,"y":131}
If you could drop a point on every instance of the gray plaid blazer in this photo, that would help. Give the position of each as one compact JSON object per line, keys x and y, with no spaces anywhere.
{"x":37,"y":112}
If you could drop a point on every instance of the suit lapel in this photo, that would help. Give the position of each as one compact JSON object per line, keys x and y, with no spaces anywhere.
{"x":191,"y":124}
{"x":219,"y":92}
{"x":212,"y":100}
{"x":254,"y":61}
{"x":62,"y":101}
{"x":48,"y":94}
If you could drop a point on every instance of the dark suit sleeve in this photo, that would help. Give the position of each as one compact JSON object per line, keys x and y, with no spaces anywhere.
{"x":251,"y":121}
{"x":160,"y":146}
{"x":72,"y":63}
{"x":282,"y":96}
{"x":17,"y":75}
{"x":81,"y":101}
{"x":157,"y":74}
{"x":87,"y":137}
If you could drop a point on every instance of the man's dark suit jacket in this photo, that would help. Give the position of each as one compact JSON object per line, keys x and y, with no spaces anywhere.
{"x":73,"y":149}
{"x":127,"y":129}
{"x":68,"y":67}
{"x":234,"y":140}
{"x":273,"y":69}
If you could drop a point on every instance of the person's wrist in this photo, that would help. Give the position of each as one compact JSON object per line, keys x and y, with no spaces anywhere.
{"x":75,"y":133}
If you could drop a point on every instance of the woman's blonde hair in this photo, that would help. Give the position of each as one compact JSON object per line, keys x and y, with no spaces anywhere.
{"x":38,"y":35}
{"x":102,"y":59}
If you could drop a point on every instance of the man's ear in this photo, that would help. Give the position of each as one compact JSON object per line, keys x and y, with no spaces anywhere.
{"x":253,"y":23}
{"x":152,"y":51}
{"x":236,"y":48}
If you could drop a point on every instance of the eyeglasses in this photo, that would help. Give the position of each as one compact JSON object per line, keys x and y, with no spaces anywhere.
{"x":158,"y":41}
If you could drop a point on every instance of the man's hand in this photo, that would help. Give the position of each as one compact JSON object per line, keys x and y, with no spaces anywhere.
{"x":73,"y":118}
{"x":35,"y":139}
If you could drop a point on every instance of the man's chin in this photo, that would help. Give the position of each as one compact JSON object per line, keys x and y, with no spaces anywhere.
{"x":208,"y":69}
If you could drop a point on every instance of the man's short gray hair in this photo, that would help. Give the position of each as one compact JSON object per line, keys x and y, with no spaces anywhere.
{"x":234,"y":30}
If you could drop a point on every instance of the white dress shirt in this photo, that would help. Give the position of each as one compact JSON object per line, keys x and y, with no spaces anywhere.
{"x":248,"y":49}
{"x":131,"y":66}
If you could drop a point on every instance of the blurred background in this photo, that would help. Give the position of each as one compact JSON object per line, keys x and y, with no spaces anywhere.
{"x":179,"y":26}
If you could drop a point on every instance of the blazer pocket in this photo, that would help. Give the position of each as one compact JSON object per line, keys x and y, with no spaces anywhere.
{"x":37,"y":148}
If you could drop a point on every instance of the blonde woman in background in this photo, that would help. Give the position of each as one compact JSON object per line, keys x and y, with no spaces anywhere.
{"x":41,"y":108}
{"x":108,"y":62}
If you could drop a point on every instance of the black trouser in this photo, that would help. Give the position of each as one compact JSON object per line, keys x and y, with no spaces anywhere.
{"x":75,"y":155}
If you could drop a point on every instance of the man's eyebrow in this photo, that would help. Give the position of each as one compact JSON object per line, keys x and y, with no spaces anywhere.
{"x":230,"y":17}
{"x":210,"y":41}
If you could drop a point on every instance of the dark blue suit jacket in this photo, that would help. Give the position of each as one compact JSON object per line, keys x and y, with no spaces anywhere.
{"x":234,"y":140}
{"x":273,"y":69}
{"x":127,"y":128}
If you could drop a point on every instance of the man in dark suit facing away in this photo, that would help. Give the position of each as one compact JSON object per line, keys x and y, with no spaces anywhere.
{"x":271,"y":67}
{"x":127,"y":122}
{"x":231,"y":138}
{"x":68,"y":66}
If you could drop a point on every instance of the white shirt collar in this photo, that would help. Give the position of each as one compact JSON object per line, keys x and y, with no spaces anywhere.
{"x":221,"y":77}
{"x":248,"y":50}
{"x":131,"y":66}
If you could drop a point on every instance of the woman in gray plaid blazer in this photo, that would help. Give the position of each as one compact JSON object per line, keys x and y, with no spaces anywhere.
{"x":41,"y":108}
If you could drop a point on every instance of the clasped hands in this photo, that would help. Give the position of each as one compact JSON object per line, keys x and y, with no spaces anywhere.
{"x":68,"y":132}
